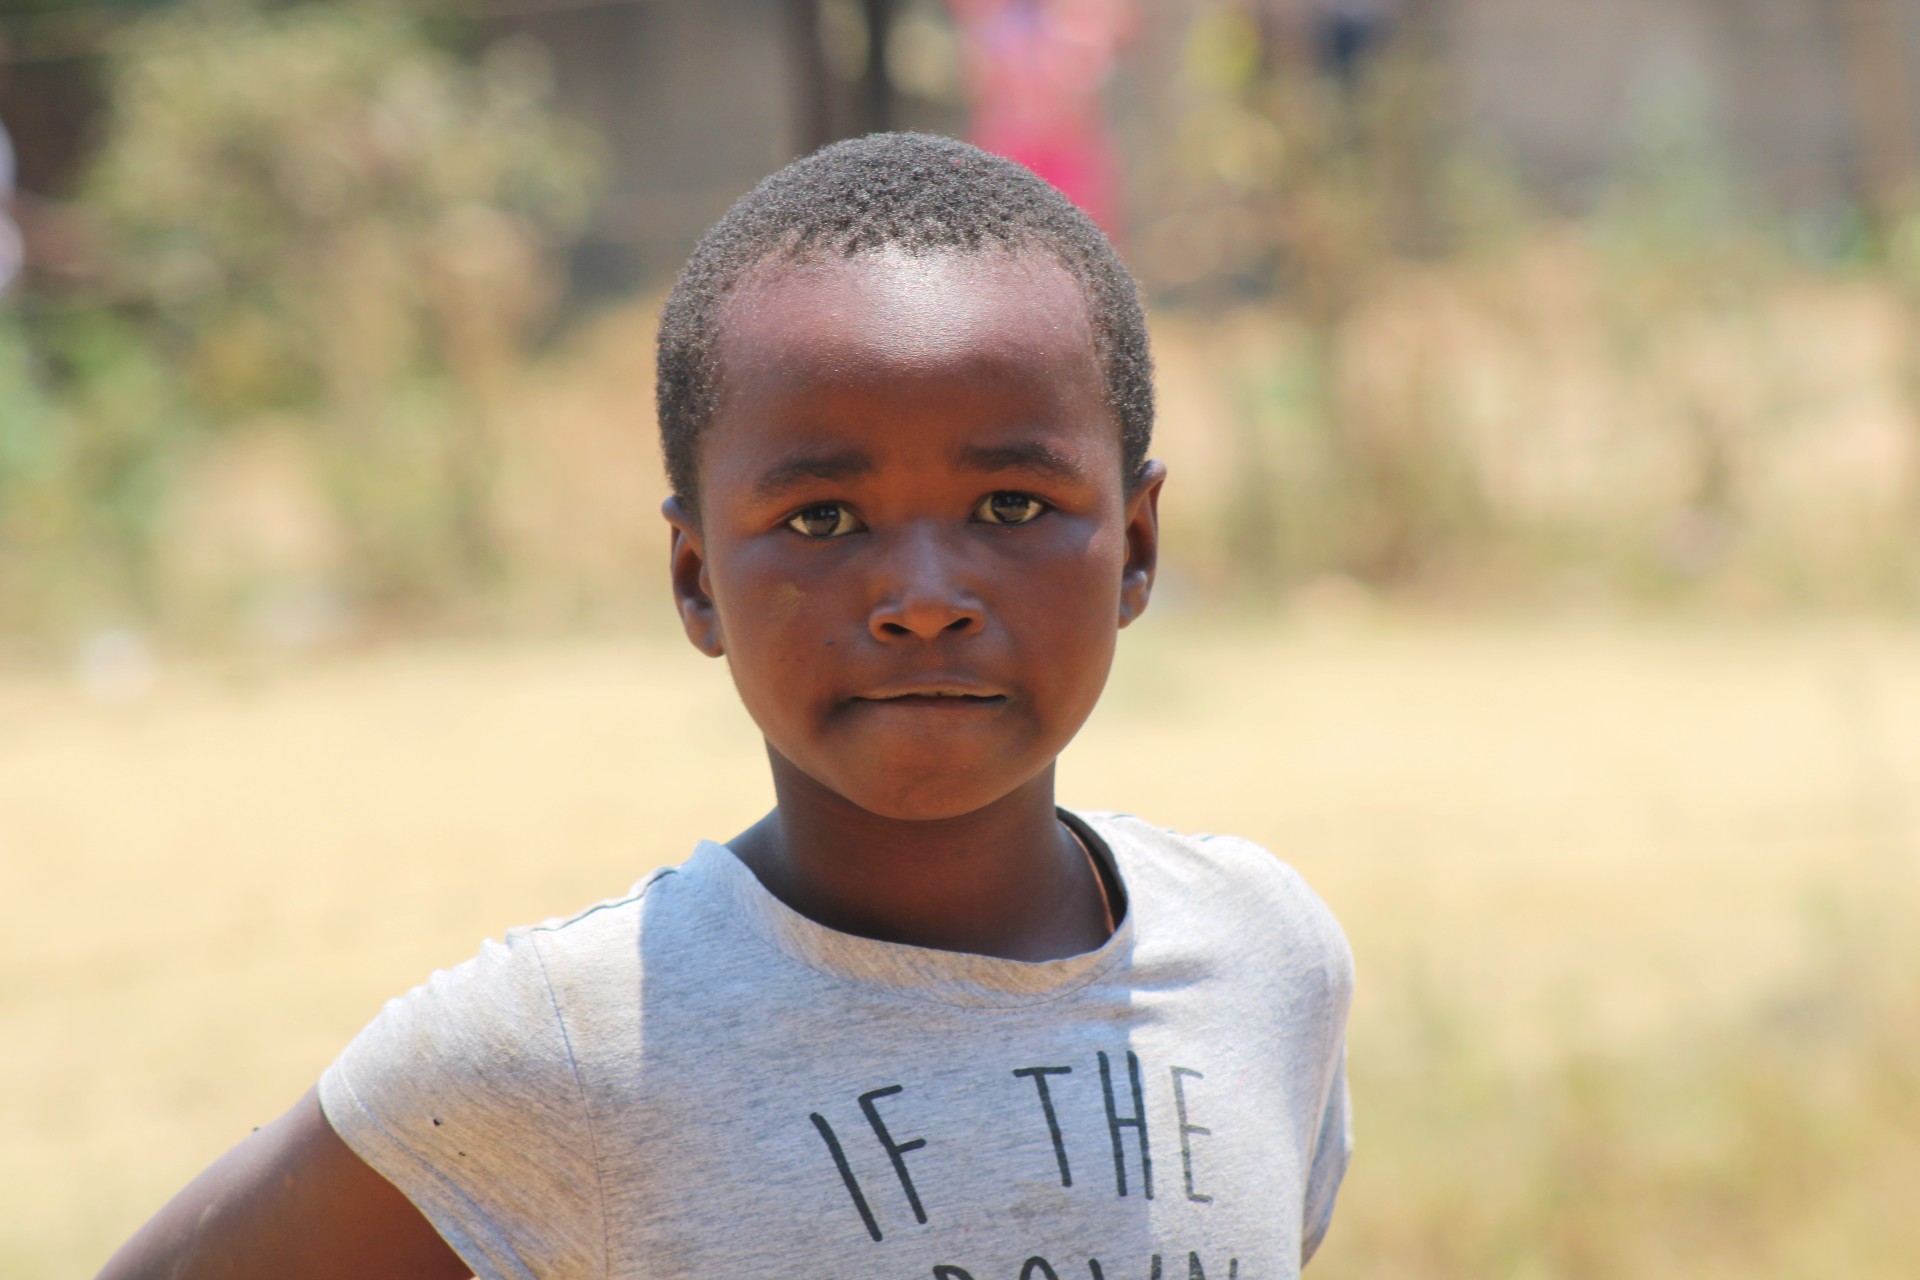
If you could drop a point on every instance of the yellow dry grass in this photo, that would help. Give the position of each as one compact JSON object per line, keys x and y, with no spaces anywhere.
{"x":1619,"y":893}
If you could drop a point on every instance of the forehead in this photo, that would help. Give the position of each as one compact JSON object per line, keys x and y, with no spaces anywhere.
{"x":986,"y":319}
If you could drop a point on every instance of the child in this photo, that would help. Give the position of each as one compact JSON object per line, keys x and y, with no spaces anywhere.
{"x":917,"y":1021}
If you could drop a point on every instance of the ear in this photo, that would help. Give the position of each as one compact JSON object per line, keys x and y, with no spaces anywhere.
{"x":692,"y":589}
{"x":1143,"y":542}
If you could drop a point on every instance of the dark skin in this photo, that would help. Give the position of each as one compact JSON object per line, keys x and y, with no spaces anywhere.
{"x":915,"y":546}
{"x":290,"y":1201}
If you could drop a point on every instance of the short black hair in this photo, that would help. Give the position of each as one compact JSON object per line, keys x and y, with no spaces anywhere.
{"x":910,"y":191}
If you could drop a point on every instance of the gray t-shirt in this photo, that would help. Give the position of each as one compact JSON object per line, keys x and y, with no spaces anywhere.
{"x":697,"y":1081}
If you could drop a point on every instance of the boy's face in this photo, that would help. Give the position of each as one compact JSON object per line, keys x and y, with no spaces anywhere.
{"x":914,"y":544}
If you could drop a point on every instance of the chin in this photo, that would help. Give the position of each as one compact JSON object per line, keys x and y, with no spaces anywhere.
{"x":927,"y":794}
{"x":929,"y":800}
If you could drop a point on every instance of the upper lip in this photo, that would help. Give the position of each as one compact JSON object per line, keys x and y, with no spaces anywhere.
{"x":933,"y":687}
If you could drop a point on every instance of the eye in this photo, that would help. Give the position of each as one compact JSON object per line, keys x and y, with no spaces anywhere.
{"x":823,"y":520}
{"x":1008,"y":507}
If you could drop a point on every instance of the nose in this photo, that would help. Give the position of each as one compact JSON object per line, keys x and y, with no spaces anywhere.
{"x":923,"y":591}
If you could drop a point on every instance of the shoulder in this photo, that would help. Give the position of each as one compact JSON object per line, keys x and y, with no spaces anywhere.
{"x":591,"y":933}
{"x":502,"y":1013}
{"x":1231,"y":887}
{"x":532,"y":956}
{"x":570,"y":969}
{"x":455,"y":1087}
{"x":1206,"y":862}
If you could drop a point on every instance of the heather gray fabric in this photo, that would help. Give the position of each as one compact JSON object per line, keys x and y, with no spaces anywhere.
{"x":696,"y":1081}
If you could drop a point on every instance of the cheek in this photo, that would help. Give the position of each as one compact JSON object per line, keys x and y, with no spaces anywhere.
{"x":1079,"y":575}
{"x":784,"y":601}
{"x":1068,"y":604}
{"x":776,"y":618}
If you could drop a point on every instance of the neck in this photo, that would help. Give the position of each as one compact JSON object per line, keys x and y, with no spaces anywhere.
{"x":1005,"y":880}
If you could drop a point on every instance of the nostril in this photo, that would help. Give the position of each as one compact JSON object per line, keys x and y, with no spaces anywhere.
{"x":927,"y":616}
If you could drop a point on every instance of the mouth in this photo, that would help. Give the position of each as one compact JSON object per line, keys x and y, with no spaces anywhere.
{"x":945,"y":695}
{"x":936,"y":701}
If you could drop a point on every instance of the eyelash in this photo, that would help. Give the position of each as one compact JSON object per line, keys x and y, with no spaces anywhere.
{"x":840,"y":512}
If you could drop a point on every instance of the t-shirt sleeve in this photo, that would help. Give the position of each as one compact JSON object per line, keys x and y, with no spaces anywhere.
{"x":1324,"y":954}
{"x":464,"y":1094}
{"x":1331,"y":1150}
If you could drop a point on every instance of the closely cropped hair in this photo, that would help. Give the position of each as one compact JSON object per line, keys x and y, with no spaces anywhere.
{"x":909,"y":191}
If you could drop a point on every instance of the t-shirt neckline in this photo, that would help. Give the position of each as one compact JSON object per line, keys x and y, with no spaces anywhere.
{"x":917,"y":973}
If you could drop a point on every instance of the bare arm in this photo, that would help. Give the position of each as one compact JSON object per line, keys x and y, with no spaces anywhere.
{"x":291,"y":1201}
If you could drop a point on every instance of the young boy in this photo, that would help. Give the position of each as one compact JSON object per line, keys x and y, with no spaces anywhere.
{"x":917,"y":1021}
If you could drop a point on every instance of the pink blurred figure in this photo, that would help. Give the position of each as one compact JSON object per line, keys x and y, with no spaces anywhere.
{"x":1035,"y":72}
{"x":12,"y":250}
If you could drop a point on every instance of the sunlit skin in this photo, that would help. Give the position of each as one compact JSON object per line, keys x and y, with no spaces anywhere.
{"x":915,"y":546}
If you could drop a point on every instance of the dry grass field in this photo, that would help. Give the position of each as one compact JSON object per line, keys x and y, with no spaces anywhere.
{"x":1627,"y":900}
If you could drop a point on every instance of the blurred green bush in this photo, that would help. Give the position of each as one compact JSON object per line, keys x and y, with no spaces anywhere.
{"x":310,"y":210}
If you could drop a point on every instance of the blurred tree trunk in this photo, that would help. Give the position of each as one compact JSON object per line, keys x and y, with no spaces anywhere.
{"x":812,"y":100}
{"x":877,"y":95}
{"x":824,"y":110}
{"x":1873,"y":62}
{"x":1873,"y":57}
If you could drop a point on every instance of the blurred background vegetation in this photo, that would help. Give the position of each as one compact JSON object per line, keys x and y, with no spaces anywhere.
{"x":1540,"y":382}
{"x":302,"y":279}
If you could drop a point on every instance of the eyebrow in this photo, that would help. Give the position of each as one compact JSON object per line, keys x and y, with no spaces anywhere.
{"x":1027,"y":455}
{"x":844,"y":465}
